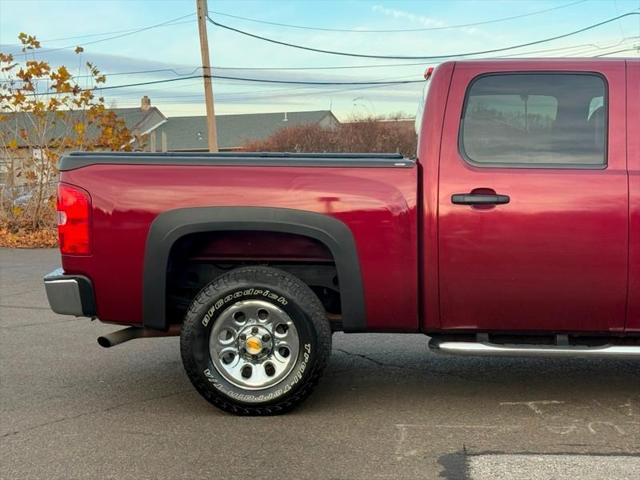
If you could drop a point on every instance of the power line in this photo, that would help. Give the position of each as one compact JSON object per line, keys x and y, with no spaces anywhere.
{"x":382,"y":82}
{"x":581,"y":48}
{"x":248,"y":96}
{"x":432,"y":57}
{"x":633,"y":49}
{"x":343,"y":67}
{"x":170,"y":22}
{"x":142,"y":72}
{"x":244,"y":79}
{"x":112,"y":32}
{"x":282,"y":82}
{"x":425,"y":29}
{"x":268,"y":94}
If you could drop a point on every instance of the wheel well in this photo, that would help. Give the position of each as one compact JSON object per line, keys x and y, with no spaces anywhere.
{"x":198,"y":258}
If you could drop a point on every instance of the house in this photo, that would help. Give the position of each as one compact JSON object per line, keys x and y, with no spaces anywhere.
{"x":189,"y":134}
{"x":139,"y":121}
{"x":152,"y":131}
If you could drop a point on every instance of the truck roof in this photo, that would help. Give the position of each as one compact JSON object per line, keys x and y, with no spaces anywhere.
{"x":536,"y":62}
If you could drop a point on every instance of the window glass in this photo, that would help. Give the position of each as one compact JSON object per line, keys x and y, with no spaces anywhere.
{"x":535,"y":119}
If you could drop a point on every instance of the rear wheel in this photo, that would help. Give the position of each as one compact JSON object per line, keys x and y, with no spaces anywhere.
{"x":255,"y":341}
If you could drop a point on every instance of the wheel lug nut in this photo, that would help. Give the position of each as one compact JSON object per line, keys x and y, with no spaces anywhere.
{"x":254,"y":330}
{"x":266,"y":337}
{"x":243,"y":337}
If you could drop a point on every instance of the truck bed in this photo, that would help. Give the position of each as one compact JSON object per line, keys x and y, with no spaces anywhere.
{"x":374,"y":195}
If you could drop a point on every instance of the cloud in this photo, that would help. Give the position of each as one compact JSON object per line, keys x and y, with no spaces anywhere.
{"x":422,"y":20}
{"x":425,"y":21}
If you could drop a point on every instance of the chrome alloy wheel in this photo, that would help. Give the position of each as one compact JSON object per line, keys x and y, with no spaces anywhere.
{"x":254,"y":344}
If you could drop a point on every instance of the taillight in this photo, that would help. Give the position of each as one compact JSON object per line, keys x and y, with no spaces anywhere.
{"x":74,"y":216}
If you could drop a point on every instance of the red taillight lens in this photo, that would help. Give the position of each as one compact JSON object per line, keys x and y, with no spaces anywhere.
{"x":74,"y":216}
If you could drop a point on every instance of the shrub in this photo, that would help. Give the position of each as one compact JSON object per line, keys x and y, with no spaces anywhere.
{"x":369,"y":135}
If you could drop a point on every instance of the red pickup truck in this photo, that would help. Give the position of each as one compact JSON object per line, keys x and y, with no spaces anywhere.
{"x":516,"y":231}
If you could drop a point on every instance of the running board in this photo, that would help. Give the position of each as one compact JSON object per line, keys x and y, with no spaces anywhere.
{"x":509,"y":350}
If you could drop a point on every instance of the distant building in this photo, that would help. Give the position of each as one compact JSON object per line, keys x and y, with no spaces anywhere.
{"x":189,"y":134}
{"x":154,"y":132}
{"x":140,"y":121}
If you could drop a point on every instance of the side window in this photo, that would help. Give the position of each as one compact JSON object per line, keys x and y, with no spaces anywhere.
{"x":540,"y":119}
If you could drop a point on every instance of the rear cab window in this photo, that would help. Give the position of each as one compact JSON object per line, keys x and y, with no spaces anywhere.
{"x":552,"y":120}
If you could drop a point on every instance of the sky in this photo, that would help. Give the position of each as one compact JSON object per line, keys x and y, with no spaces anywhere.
{"x":428,"y":28}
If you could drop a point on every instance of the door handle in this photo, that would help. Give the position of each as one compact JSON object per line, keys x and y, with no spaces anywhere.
{"x":479,"y":199}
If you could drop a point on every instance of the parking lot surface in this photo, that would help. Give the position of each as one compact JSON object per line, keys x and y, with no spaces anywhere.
{"x":386,"y":408}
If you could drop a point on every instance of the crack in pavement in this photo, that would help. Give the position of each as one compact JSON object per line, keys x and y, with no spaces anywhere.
{"x":94,"y":412}
{"x":408,"y":367}
{"x":373,"y":360}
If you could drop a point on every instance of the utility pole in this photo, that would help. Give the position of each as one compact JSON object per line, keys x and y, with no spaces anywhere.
{"x":206,"y":72}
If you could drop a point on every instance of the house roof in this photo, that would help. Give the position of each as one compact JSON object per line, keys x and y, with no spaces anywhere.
{"x":190,"y":133}
{"x":138,"y":121}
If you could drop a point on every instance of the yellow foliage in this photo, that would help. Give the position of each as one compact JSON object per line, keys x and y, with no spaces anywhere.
{"x":29,"y":42}
{"x":55,"y":124}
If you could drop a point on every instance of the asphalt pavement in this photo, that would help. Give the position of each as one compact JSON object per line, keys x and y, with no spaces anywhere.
{"x":386,"y":408}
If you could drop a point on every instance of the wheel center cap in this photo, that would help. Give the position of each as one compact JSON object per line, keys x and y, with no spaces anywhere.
{"x":253,"y":345}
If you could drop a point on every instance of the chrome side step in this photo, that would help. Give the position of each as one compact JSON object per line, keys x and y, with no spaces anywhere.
{"x":500,"y":350}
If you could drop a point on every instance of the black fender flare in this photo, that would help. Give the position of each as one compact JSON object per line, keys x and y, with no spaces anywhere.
{"x":171,"y":225}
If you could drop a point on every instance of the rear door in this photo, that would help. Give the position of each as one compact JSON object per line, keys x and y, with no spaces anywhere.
{"x":533,"y":199}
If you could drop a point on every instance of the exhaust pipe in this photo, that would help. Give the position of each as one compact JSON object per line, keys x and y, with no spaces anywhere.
{"x":116,"y":338}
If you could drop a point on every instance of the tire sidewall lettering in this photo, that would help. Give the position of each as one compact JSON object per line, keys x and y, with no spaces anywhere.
{"x":222,"y":303}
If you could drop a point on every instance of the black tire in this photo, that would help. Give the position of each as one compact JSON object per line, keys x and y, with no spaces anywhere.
{"x":286,"y":292}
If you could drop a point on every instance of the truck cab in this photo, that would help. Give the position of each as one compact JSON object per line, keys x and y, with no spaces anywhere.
{"x":533,"y":197}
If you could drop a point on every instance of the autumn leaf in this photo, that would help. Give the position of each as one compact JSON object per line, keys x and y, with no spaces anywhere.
{"x":18,"y":98}
{"x":29,"y":42}
{"x":23,"y":238}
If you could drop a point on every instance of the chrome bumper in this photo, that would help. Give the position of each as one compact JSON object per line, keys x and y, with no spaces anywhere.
{"x":70,"y":294}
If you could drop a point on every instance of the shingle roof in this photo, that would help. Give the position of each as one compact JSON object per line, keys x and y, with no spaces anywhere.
{"x":190,"y":133}
{"x":138,"y":121}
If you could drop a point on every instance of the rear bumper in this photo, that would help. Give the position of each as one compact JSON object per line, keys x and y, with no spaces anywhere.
{"x":70,"y":294}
